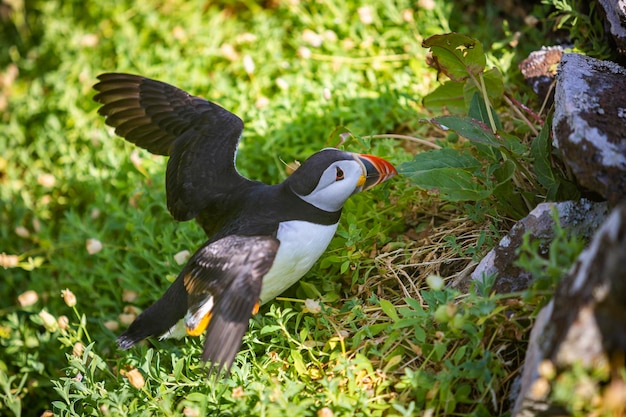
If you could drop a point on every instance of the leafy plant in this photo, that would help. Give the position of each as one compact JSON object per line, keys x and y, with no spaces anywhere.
{"x":549,"y":261}
{"x":582,"y":22}
{"x":493,"y":164}
{"x":461,"y":366}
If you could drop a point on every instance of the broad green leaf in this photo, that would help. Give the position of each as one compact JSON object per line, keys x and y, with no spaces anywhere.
{"x":406,"y":322}
{"x":472,"y":129}
{"x":510,"y":201}
{"x":59,"y":405}
{"x":393,"y":361}
{"x":478,"y":110}
{"x":270,"y":329}
{"x":509,"y":197}
{"x":540,"y":150}
{"x":440,"y":158}
{"x":564,"y":190}
{"x":440,"y":350}
{"x":512,"y":143}
{"x":458,"y":56}
{"x":494,"y":85}
{"x":196,"y":397}
{"x":419,"y":334}
{"x":310,"y":290}
{"x":459,"y":356}
{"x":448,"y":95}
{"x":452,"y":184}
{"x":414,"y":304}
{"x":178,"y":369}
{"x":449,"y":172}
{"x":504,"y":172}
{"x":557,"y":187}
{"x":389,"y":309}
{"x":298,"y":362}
{"x":375,"y":329}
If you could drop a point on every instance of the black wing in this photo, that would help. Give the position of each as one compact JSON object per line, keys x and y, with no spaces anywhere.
{"x":200,"y":137}
{"x":230,"y":271}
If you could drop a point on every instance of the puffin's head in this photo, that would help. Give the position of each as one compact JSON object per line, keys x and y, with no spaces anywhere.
{"x":327,"y":178}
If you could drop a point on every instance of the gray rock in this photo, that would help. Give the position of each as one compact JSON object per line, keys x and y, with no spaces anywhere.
{"x":584,"y":323}
{"x":615,"y":17}
{"x":590,"y":123}
{"x":579,"y":217}
{"x":539,"y":71}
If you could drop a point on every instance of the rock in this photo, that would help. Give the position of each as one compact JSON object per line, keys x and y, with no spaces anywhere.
{"x":584,"y":324}
{"x":581,"y":218}
{"x":590,"y":123}
{"x":539,"y":71}
{"x":614,"y":13}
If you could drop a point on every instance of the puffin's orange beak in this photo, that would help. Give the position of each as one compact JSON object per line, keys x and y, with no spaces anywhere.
{"x":375,"y":171}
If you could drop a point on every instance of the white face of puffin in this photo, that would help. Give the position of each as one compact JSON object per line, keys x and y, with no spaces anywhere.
{"x":337,"y":183}
{"x":349,"y":174}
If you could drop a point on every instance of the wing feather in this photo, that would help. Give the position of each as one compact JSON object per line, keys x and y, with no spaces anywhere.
{"x":230,"y":272}
{"x":227,"y":273}
{"x":200,"y":136}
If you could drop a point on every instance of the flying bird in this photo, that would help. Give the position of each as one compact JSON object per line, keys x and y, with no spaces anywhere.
{"x":261,"y":238}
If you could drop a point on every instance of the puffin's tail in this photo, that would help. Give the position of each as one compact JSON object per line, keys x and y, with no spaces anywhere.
{"x":159,"y":317}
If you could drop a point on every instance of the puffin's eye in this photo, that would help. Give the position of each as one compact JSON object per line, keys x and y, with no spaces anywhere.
{"x":339,"y":176}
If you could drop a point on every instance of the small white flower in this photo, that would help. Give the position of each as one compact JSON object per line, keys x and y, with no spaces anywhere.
{"x":68,"y":297}
{"x":426,"y":4}
{"x":435,"y":282}
{"x":181,"y":257}
{"x":262,"y":102}
{"x":78,"y":349}
{"x":130,"y":296}
{"x":312,"y":38}
{"x":127,"y":318}
{"x":135,"y":378}
{"x":46,"y":180}
{"x":49,"y":322}
{"x":89,"y":40}
{"x":325,"y":412}
{"x":248,"y":64}
{"x":312,"y":306}
{"x":93,"y":246}
{"x":229,"y":52}
{"x":63,"y":322}
{"x":281,"y":83}
{"x":22,"y":232}
{"x":366,"y":15}
{"x":304,"y":52}
{"x":112,"y":325}
{"x":27,"y":298}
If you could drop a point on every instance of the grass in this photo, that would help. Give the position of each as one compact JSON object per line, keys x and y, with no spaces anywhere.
{"x":379,"y":338}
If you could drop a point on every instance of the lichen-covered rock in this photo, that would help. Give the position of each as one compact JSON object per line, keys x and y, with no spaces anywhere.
{"x":584,"y":323}
{"x":615,"y":17}
{"x":539,"y":71}
{"x":579,"y":217}
{"x":590,"y":123}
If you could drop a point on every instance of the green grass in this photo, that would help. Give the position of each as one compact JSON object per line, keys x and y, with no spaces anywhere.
{"x":384,"y":342}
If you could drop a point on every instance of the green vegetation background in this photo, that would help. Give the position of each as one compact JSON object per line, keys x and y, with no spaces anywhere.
{"x":299,"y":73}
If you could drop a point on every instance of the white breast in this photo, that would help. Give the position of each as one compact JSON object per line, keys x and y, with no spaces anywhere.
{"x":301,"y":245}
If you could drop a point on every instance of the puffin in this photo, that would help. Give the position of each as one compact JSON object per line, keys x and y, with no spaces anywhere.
{"x":261,"y":238}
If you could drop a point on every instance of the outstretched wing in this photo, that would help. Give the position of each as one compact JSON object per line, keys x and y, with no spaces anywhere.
{"x":223,"y":281}
{"x":200,"y":137}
